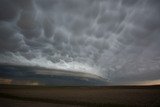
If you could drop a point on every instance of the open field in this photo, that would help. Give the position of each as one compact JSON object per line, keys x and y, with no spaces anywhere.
{"x":68,"y":96}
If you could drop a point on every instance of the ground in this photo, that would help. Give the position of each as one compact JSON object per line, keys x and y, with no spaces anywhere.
{"x":68,"y":96}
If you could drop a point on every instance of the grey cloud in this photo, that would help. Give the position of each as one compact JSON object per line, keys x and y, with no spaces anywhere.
{"x":11,"y":39}
{"x":118,"y":38}
{"x":8,"y":11}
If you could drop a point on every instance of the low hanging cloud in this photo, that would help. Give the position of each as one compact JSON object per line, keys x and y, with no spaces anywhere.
{"x":113,"y":39}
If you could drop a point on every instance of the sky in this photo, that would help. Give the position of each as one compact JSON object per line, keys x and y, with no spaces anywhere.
{"x":118,"y":40}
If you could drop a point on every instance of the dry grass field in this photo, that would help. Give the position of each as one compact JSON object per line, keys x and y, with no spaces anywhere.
{"x":68,"y":96}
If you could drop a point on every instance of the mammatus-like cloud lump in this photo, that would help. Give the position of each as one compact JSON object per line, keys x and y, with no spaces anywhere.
{"x":118,"y":40}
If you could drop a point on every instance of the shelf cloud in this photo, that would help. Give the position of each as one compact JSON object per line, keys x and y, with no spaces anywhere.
{"x":117,"y":40}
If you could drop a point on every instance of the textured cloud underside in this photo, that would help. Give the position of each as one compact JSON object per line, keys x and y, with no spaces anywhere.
{"x":118,"y":40}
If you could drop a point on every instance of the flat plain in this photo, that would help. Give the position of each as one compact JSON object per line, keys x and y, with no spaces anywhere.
{"x":79,"y":96}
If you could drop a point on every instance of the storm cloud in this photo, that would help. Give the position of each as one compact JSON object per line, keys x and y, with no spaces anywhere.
{"x":118,"y":40}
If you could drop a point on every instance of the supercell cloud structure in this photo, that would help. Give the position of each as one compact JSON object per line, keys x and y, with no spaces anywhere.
{"x":116,"y":39}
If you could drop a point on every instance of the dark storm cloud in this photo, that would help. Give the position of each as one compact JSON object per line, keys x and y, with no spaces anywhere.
{"x":26,"y":75}
{"x":113,"y":39}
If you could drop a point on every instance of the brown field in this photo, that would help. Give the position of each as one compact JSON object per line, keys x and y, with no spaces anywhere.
{"x":65,"y":96}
